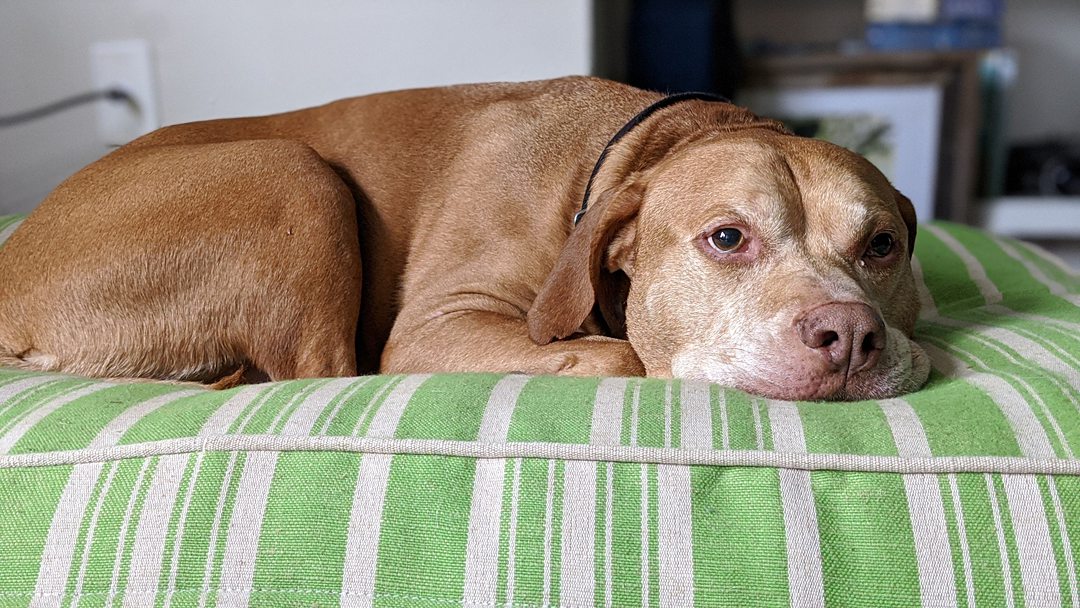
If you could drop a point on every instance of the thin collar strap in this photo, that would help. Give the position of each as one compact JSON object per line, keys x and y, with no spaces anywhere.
{"x":629,"y":126}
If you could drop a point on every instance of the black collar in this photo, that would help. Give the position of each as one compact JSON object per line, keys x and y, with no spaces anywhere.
{"x":633,"y":122}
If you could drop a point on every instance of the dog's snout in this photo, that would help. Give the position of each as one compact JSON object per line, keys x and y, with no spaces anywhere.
{"x":849,"y":335}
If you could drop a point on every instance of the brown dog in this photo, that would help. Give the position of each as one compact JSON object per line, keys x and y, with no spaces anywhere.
{"x":724,"y":247}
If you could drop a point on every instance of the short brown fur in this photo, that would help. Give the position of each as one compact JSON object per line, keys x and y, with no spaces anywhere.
{"x":422,"y":230}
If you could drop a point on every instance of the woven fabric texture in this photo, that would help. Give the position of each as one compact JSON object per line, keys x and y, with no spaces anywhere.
{"x":483,"y":490}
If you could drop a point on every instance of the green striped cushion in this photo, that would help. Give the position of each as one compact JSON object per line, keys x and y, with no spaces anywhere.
{"x":477,"y":490}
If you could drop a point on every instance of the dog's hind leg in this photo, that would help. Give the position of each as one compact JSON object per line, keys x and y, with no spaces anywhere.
{"x":185,"y":262}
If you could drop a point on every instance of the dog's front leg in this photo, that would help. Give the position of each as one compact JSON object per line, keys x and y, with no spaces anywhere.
{"x":486,"y":341}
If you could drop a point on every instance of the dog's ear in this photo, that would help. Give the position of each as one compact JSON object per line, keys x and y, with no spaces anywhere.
{"x":575,"y":284}
{"x":907,"y":212}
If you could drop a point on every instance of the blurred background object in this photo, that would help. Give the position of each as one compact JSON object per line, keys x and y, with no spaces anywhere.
{"x":968,"y":105}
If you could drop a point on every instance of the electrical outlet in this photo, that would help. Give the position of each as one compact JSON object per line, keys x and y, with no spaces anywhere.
{"x":124,"y":65}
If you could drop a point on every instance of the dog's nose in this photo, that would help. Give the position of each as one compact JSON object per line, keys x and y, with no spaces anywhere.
{"x":849,"y":335}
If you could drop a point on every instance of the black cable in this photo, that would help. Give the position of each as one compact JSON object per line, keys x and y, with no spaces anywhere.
{"x":65,"y":104}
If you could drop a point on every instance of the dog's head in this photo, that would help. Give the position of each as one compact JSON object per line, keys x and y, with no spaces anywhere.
{"x":753,"y":258}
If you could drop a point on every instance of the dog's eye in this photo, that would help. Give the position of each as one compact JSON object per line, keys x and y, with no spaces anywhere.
{"x":881,"y":245}
{"x":726,"y":240}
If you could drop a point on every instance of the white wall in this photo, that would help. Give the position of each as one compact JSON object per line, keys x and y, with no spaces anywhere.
{"x":218,"y":58}
{"x":1045,"y":100}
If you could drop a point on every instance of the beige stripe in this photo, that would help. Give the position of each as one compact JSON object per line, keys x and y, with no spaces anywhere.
{"x":645,"y":558}
{"x":25,"y":422}
{"x":676,"y":551}
{"x":926,"y":508}
{"x":578,"y":576}
{"x":362,"y":544}
{"x":511,"y":543}
{"x":805,"y":579}
{"x":222,"y":418}
{"x":485,"y":511}
{"x":635,"y":406}
{"x":215,"y":529}
{"x":6,"y":233}
{"x":345,"y":399}
{"x":121,"y":545}
{"x":1038,"y":567}
{"x":384,"y":422}
{"x":609,"y":530}
{"x":61,"y":538}
{"x":14,"y":393}
{"x":1034,"y":443}
{"x":373,"y":402}
{"x":608,"y":412}
{"x":1049,"y":257}
{"x":695,"y":423}
{"x":667,"y":414}
{"x":961,"y":534}
{"x":148,"y":549}
{"x":927,"y":306}
{"x":249,"y":504}
{"x":181,"y":523}
{"x":1066,"y":543}
{"x":1030,"y":350}
{"x":245,"y":524}
{"x":725,"y":439}
{"x":549,"y":516}
{"x":91,"y":530}
{"x":759,"y":430}
{"x":365,"y":520}
{"x":1003,"y":554}
{"x":1032,"y":268}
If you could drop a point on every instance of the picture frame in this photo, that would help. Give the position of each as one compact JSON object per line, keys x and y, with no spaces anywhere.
{"x":896,"y":127}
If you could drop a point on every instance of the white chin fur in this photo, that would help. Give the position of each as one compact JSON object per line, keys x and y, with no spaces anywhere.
{"x":904,"y":368}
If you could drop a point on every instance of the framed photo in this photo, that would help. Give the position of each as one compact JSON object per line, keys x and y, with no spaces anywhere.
{"x":925,"y":109}
{"x":895,"y":127}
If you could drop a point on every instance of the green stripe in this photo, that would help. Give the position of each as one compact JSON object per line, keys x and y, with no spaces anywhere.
{"x":1050,"y":270}
{"x":856,"y":428}
{"x":94,"y":412}
{"x":1010,"y":539}
{"x":554,"y":409}
{"x":184,"y":417}
{"x":626,"y":533}
{"x":654,"y":535}
{"x":1017,"y":381}
{"x":863,"y":517}
{"x":425,"y":417}
{"x":956,"y":542}
{"x":529,"y":562}
{"x":982,"y":541}
{"x":307,"y":514}
{"x":960,"y":419}
{"x":29,"y":498}
{"x":1055,"y":540}
{"x":740,"y":551}
{"x":739,"y":406}
{"x":423,"y":534}
{"x":504,"y":532}
{"x":945,"y":274}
